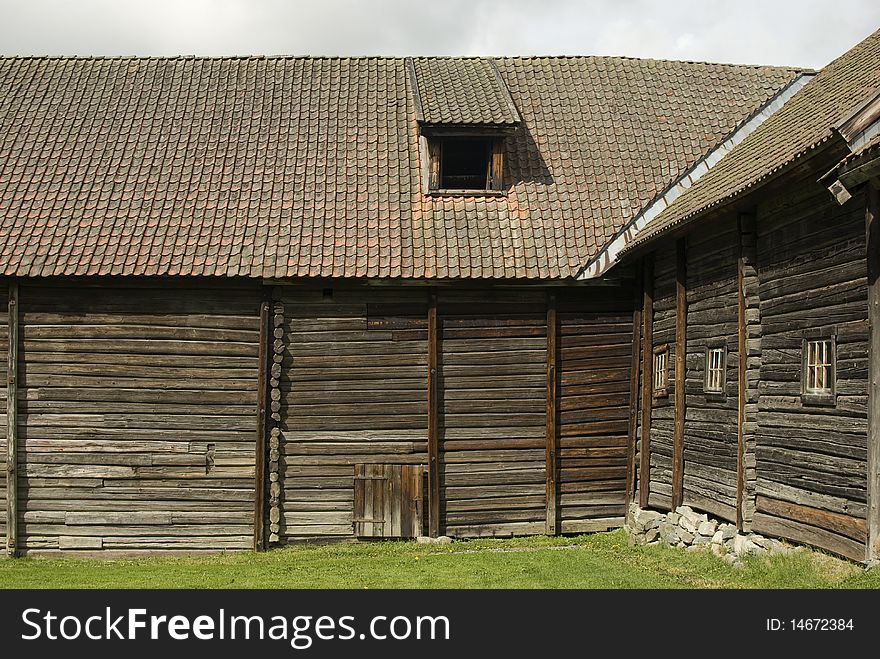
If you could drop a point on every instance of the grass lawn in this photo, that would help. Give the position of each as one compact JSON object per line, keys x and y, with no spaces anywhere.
{"x":603,"y":560}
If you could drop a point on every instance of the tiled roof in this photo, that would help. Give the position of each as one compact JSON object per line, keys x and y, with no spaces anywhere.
{"x":309,"y":167}
{"x":804,"y":123}
{"x":462,"y":91}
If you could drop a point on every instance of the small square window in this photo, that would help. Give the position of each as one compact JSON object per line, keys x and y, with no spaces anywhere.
{"x":819,"y":367}
{"x":661,"y":371}
{"x":716,"y":366}
{"x":465,"y":165}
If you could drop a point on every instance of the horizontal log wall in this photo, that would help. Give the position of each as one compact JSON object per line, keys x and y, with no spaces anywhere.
{"x":811,"y":458}
{"x":137,"y":416}
{"x":492,"y":397}
{"x":4,"y":337}
{"x":710,"y":439}
{"x":594,"y":369}
{"x":353,"y":391}
{"x":663,"y":409}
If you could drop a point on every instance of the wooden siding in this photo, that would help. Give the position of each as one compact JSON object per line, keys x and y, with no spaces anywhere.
{"x":492,"y":391}
{"x":137,"y":417}
{"x":663,"y":409}
{"x":4,"y":336}
{"x":710,"y":439}
{"x":353,"y":390}
{"x":594,"y":368}
{"x":811,"y":459}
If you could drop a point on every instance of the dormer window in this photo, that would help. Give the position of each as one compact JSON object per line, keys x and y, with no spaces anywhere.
{"x":464,"y":113}
{"x":464,"y":164}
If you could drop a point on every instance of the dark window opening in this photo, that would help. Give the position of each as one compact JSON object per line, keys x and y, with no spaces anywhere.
{"x":464,"y":164}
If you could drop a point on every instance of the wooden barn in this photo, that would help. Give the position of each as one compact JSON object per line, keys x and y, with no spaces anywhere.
{"x":264,"y":300}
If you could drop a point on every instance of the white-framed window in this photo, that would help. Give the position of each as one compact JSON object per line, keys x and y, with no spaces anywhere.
{"x":716,"y":364}
{"x":661,"y":370}
{"x":819,"y":366}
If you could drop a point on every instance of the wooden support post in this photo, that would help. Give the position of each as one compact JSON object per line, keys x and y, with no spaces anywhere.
{"x":260,"y":454}
{"x":680,"y":371}
{"x":632,"y":436}
{"x":742,"y":364}
{"x":647,"y":377}
{"x":551,"y":527}
{"x":12,"y":425}
{"x":433,"y":421}
{"x":872,"y":224}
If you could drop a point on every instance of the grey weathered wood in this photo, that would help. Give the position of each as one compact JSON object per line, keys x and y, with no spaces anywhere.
{"x":12,"y":423}
{"x":680,"y":372}
{"x":260,"y":452}
{"x":433,"y":419}
{"x":872,"y":227}
{"x":647,"y":377}
{"x":551,"y":431}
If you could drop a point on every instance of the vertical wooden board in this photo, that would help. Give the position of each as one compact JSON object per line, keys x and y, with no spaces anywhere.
{"x":743,"y":224}
{"x":260,"y":453}
{"x":12,"y":430}
{"x":551,"y":436}
{"x":634,"y":392}
{"x":4,"y":345}
{"x":137,"y":398}
{"x":433,"y":419}
{"x":359,"y":506}
{"x":647,"y":377}
{"x":872,"y":227}
{"x":680,"y":367}
{"x":407,"y":494}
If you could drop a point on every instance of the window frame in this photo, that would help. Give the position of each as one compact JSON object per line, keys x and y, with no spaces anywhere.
{"x":709,"y":349}
{"x":660,"y":392}
{"x":828,"y":395}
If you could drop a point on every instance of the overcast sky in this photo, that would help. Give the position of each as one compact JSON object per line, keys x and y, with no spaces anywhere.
{"x":794,"y":32}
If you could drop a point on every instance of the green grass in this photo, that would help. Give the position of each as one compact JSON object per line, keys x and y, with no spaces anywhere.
{"x":603,"y":560}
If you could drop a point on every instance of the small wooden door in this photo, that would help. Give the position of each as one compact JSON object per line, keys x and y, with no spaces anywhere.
{"x":388,"y":500}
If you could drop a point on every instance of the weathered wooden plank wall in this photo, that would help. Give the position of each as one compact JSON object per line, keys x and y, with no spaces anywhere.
{"x":710,"y":442}
{"x":811,"y":458}
{"x":354,"y":391}
{"x":4,"y":337}
{"x":138,"y":407}
{"x":663,"y":408}
{"x":595,"y":360}
{"x":492,"y":389}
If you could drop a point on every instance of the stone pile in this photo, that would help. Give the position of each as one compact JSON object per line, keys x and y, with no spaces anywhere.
{"x":691,"y":530}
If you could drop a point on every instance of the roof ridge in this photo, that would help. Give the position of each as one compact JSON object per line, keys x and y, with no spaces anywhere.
{"x":77,"y":57}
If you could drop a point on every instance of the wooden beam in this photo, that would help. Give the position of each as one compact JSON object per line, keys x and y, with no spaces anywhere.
{"x":741,"y":376}
{"x":647,"y":377}
{"x":433,"y":421}
{"x":12,"y":424}
{"x":552,"y":527}
{"x":260,"y":454}
{"x":632,"y":437}
{"x":680,"y":372}
{"x":872,"y":227}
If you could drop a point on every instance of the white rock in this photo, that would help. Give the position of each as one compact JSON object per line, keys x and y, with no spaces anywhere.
{"x":718,"y":538}
{"x":443,"y":540}
{"x":707,"y":528}
{"x":687,"y":524}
